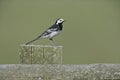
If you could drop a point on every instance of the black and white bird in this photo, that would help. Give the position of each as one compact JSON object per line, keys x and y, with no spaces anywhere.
{"x":51,"y":32}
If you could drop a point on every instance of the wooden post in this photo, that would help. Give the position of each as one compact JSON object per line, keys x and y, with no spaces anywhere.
{"x":40,"y":54}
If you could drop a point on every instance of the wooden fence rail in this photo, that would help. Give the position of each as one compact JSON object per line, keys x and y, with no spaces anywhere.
{"x":44,"y":63}
{"x":60,"y":72}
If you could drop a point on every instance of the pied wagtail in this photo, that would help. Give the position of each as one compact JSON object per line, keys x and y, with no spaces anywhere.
{"x":51,"y":32}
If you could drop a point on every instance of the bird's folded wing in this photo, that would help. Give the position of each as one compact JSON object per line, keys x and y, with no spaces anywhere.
{"x":48,"y":32}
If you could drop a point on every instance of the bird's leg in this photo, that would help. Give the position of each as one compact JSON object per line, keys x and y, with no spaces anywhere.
{"x":51,"y":41}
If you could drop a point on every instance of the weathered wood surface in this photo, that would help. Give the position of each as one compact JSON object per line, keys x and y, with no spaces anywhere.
{"x":60,"y":72}
{"x":40,"y":54}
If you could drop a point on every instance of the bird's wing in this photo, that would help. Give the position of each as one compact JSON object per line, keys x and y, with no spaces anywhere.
{"x":48,"y":31}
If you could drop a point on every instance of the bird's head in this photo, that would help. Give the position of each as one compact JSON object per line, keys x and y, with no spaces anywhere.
{"x":59,"y":21}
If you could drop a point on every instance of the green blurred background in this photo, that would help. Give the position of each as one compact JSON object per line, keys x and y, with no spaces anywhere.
{"x":90,"y":35}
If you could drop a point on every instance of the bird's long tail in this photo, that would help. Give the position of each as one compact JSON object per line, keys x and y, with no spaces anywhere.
{"x":32,"y":40}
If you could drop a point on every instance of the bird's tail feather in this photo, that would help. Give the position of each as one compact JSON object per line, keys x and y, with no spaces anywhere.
{"x":32,"y":40}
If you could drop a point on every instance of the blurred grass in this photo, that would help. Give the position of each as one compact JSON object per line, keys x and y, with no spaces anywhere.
{"x":90,"y":35}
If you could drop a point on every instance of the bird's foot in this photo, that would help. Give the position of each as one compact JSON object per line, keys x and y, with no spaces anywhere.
{"x":53,"y":44}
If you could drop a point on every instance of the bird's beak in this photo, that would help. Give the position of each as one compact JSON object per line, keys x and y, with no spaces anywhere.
{"x":64,"y":20}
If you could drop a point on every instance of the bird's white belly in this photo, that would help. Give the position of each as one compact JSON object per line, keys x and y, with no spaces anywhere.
{"x":54,"y":34}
